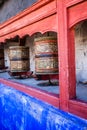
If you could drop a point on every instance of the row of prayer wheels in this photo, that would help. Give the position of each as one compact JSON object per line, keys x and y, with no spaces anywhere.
{"x":46,"y":56}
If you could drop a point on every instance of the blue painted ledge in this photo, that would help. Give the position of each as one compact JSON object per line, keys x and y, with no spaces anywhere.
{"x":19,"y":111}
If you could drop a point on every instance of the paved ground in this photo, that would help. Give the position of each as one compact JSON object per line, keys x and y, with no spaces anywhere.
{"x":81,"y":89}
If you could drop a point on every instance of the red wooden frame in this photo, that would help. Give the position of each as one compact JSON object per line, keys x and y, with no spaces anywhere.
{"x":73,"y":11}
{"x":59,"y":16}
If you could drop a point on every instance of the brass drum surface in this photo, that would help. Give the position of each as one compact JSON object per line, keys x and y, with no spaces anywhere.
{"x":46,"y":55}
{"x":19,"y":58}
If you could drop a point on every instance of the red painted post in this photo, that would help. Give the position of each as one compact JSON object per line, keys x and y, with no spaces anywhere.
{"x":66,"y":52}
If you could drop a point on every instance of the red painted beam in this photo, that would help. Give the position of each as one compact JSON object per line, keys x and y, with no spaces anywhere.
{"x":66,"y":57}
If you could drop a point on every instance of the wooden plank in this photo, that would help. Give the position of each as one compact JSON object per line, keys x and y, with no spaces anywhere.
{"x":63,"y":55}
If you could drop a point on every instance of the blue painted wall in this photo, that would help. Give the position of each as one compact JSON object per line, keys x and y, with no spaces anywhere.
{"x":19,"y":111}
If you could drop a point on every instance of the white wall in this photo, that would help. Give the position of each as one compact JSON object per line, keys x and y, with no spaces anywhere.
{"x":81,"y":51}
{"x":30,"y":44}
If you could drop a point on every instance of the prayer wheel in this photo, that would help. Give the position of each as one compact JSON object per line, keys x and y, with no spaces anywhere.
{"x":19,"y":58}
{"x":2,"y":58}
{"x":46,"y":55}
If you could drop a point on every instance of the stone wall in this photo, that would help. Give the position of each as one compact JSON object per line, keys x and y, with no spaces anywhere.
{"x":11,"y":7}
{"x":81,"y":51}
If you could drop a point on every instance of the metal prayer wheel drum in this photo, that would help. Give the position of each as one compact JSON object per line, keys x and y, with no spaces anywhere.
{"x":46,"y":55}
{"x":19,"y":58}
{"x":2,"y":59}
